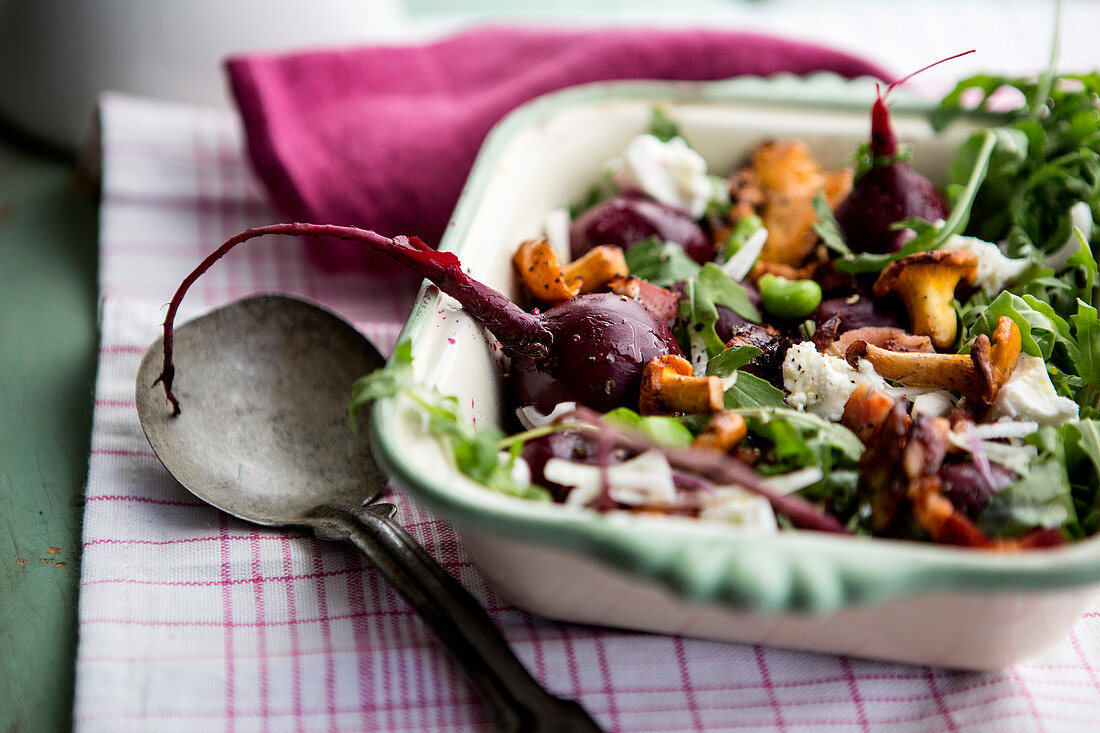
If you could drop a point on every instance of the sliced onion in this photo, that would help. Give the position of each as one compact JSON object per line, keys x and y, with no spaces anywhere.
{"x":738,"y":266}
{"x":793,"y":481}
{"x":981,"y":461}
{"x":1005,"y":429}
{"x":530,"y":417}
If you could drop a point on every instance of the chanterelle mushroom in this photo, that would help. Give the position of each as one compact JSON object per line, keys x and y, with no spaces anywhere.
{"x":926,"y":282}
{"x":978,"y":375}
{"x":550,"y":282}
{"x":669,"y":387}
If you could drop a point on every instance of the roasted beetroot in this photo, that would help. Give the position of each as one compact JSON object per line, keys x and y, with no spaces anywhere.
{"x":602,"y":342}
{"x":969,"y":489}
{"x":890,"y":190}
{"x":625,"y":221}
{"x":589,"y":350}
{"x":859,"y":311}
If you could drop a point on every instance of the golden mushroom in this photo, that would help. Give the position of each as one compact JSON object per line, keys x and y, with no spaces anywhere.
{"x":978,"y":375}
{"x":926,"y":282}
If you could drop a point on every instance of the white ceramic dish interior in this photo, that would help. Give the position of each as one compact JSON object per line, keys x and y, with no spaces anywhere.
{"x":872,"y":598}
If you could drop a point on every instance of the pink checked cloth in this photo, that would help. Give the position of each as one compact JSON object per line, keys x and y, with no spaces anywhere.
{"x":192,"y":621}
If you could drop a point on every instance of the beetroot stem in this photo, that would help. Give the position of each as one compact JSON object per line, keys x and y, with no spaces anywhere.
{"x":519,"y":332}
{"x":884,"y":144}
{"x":720,"y":469}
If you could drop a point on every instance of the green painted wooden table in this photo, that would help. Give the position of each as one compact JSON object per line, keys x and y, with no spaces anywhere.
{"x":48,"y":341}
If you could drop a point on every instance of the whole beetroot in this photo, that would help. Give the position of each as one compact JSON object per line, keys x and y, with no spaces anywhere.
{"x":624,"y":221}
{"x":890,"y":190}
{"x":589,"y":350}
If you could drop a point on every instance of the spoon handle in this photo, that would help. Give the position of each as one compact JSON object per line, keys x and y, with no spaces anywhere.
{"x":517,"y":701}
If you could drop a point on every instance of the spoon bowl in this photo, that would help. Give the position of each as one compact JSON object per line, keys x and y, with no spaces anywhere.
{"x":264,"y":386}
{"x":263,"y":433}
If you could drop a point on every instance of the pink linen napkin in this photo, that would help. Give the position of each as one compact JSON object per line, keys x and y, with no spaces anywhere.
{"x":384,"y":137}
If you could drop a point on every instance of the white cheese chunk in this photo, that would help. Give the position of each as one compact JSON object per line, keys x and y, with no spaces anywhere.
{"x":995,"y":270}
{"x":1029,"y":395}
{"x":933,"y":404}
{"x":822,"y":383}
{"x":670,"y":172}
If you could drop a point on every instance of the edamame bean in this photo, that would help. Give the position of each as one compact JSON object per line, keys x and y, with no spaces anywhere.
{"x":788,"y":298}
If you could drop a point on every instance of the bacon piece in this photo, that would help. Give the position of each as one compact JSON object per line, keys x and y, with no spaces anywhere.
{"x":662,"y":303}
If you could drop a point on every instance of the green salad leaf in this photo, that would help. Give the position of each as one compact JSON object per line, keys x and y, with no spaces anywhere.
{"x":1048,"y":157}
{"x":1041,"y":498}
{"x":744,"y":390}
{"x":477,"y":453}
{"x":699,"y":307}
{"x":662,"y":263}
{"x":666,"y":431}
{"x":662,"y":126}
{"x":827,"y":227}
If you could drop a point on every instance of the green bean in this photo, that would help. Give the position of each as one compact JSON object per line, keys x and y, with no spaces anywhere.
{"x":788,"y":298}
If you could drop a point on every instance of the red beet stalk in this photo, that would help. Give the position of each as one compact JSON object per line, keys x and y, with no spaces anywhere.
{"x":720,"y":469}
{"x":884,"y":143}
{"x":521,"y":333}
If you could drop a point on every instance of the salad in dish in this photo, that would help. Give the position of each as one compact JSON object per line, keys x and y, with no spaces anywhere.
{"x":845,"y":350}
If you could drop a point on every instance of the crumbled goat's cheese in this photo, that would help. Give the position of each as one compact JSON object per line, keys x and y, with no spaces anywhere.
{"x":822,"y":383}
{"x":933,"y":404}
{"x":995,"y":270}
{"x":1029,"y":395}
{"x":670,"y":172}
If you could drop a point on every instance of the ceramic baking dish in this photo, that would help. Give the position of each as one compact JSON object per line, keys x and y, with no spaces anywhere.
{"x":885,"y":599}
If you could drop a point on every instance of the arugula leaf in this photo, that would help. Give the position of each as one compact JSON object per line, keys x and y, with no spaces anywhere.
{"x":1048,"y":157}
{"x":750,"y":391}
{"x":477,"y":453}
{"x":1041,"y":328}
{"x":827,"y":227}
{"x":1042,"y":498}
{"x":743,"y":390}
{"x":667,"y":431}
{"x":745,"y":227}
{"x":861,"y":263}
{"x":731,"y":359}
{"x":1084,"y":260}
{"x":390,"y":380}
{"x":662,"y":126}
{"x":662,"y":263}
{"x":1087,"y":356}
{"x":789,"y":439}
{"x":698,"y":309}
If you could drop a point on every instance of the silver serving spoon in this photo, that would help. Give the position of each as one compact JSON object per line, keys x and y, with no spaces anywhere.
{"x":264,"y":386}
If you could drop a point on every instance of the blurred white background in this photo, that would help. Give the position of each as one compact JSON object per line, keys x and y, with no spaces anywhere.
{"x":58,"y":55}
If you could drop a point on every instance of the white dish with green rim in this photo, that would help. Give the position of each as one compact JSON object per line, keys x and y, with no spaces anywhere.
{"x":886,"y":599}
